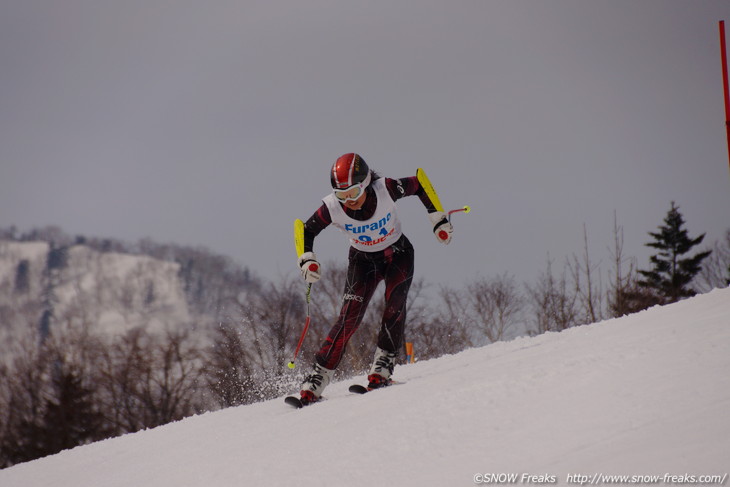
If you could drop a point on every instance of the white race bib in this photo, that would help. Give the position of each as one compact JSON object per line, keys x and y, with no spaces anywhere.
{"x":375,"y":234}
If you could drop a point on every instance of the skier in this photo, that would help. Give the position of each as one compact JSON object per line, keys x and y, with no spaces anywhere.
{"x":362,"y":205}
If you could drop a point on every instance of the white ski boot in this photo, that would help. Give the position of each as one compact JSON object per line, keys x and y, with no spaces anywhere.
{"x":315,"y":383}
{"x":382,"y":368}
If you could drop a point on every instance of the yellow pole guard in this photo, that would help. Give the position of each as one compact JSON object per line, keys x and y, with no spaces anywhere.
{"x":299,"y":236}
{"x":428,"y":188}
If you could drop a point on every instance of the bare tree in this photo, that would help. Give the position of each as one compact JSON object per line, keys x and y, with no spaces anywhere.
{"x":48,"y":398}
{"x":251,"y":348}
{"x":230,"y":373}
{"x":149,"y":380}
{"x":449,"y":328}
{"x":495,"y":305}
{"x":588,"y":287}
{"x":554,"y":302}
{"x":715,"y":271}
{"x":23,"y":389}
{"x":622,"y":282}
{"x":276,"y":315}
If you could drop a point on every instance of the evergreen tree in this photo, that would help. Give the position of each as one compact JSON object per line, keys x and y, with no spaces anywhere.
{"x":671,"y":274}
{"x":22,"y":277}
{"x":70,"y":419}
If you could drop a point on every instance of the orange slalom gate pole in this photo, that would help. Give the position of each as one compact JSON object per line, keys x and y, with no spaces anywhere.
{"x":409,"y":353}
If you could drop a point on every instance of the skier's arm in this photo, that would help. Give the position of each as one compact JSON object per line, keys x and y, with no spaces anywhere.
{"x":316,"y":223}
{"x":399,"y":188}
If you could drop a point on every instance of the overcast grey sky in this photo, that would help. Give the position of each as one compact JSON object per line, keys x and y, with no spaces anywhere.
{"x":215,"y":123}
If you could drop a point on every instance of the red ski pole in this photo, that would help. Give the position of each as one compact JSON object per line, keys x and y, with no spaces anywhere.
{"x":291,"y":364}
{"x":465,"y":209}
{"x":299,"y":245}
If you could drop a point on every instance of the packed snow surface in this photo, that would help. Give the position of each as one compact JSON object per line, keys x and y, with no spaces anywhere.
{"x":644,"y":395}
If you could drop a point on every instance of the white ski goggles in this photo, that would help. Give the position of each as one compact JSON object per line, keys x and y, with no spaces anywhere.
{"x":352,"y":193}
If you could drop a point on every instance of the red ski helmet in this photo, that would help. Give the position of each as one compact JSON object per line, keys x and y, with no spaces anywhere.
{"x":350,"y":175}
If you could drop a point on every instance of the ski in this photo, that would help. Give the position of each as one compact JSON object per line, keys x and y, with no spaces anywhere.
{"x":360,"y":389}
{"x":294,"y":402}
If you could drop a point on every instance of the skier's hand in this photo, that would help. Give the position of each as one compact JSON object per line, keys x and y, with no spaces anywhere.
{"x":309,"y":267}
{"x":442,"y":228}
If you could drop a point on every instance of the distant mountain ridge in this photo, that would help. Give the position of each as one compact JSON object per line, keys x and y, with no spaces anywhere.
{"x":106,"y":292}
{"x":44,"y":286}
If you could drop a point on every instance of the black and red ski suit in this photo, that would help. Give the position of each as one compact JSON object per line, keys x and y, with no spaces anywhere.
{"x":365,"y":270}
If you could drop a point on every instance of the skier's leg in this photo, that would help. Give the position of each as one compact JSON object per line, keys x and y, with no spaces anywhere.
{"x":398,"y":278}
{"x":362,"y":279}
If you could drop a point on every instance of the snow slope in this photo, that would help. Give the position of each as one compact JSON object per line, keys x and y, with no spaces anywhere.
{"x":647,"y":394}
